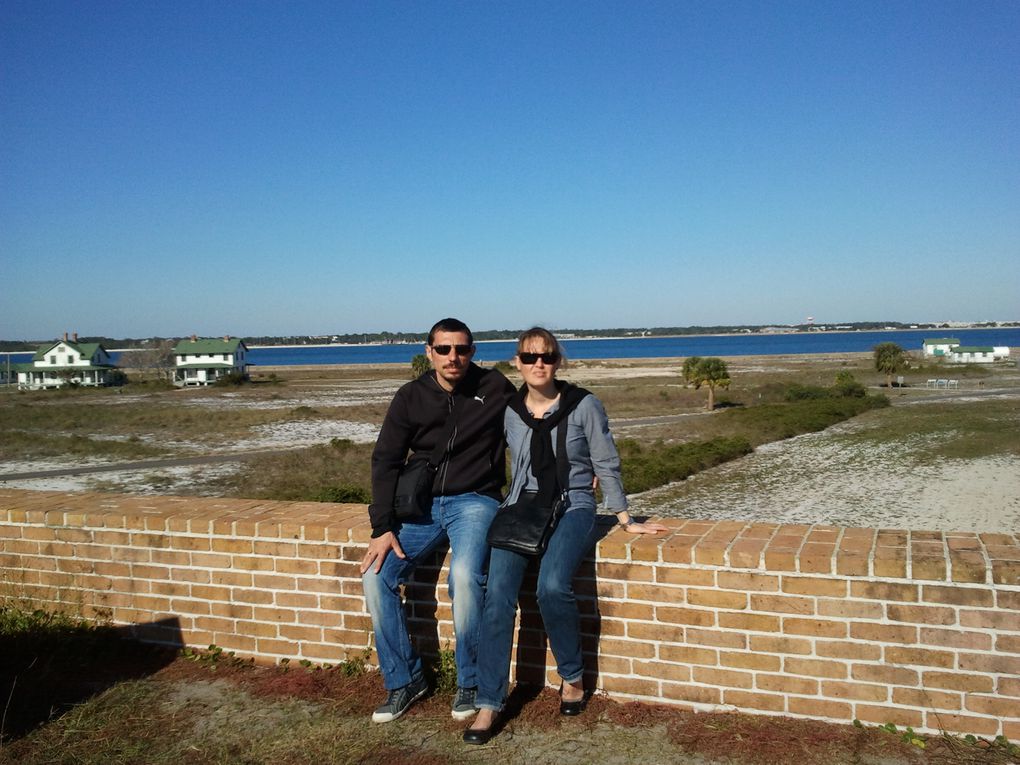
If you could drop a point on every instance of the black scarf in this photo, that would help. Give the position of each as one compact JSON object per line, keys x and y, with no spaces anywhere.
{"x":545,"y":463}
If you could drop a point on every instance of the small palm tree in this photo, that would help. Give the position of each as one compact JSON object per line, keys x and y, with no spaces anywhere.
{"x":420,"y":365}
{"x":711,"y":372}
{"x":890,"y":359}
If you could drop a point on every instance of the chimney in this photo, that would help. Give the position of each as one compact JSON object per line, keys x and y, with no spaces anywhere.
{"x":76,"y":337}
{"x":194,"y":338}
{"x":65,"y":337}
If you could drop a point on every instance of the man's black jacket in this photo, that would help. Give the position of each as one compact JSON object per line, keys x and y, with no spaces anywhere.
{"x":414,"y":422}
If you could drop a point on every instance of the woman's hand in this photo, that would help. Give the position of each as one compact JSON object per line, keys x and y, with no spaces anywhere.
{"x":645,"y":528}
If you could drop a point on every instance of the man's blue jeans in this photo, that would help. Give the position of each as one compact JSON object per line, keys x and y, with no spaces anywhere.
{"x":568,"y":545}
{"x":463,"y":519}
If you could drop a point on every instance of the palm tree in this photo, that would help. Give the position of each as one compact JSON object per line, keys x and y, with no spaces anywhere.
{"x":710,"y":371}
{"x":890,"y":359}
{"x":420,"y":365}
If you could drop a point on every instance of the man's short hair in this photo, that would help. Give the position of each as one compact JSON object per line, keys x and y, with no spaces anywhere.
{"x":450,"y":325}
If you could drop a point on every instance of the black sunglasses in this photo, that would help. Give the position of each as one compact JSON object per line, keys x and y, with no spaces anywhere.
{"x":531,"y":358}
{"x":444,"y":350}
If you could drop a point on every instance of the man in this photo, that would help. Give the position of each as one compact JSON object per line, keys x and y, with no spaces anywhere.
{"x":466,"y":493}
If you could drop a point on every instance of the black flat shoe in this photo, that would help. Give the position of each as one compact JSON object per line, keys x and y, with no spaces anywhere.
{"x":479,"y":736}
{"x":573,"y":708}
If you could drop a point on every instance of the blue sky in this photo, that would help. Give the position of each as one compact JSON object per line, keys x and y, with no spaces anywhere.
{"x":310,"y":168}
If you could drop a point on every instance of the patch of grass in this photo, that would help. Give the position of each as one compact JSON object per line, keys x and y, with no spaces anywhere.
{"x":338,"y":472}
{"x":775,"y":422}
{"x":963,"y":430}
{"x":646,"y":467}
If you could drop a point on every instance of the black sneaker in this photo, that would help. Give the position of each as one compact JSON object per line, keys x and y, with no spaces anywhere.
{"x":400,"y":700}
{"x":464,"y":704}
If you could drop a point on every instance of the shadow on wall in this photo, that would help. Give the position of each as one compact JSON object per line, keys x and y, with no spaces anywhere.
{"x":422,"y":606}
{"x":45,"y":671}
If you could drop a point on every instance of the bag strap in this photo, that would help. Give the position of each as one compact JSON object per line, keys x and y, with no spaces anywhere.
{"x":562,"y":460}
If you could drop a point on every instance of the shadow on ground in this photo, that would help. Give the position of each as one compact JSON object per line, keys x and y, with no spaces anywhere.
{"x":45,"y":671}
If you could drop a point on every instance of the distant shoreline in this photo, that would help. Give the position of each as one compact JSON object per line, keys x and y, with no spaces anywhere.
{"x":569,"y":338}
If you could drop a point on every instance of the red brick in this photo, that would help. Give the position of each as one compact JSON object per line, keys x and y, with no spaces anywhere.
{"x":783,"y":604}
{"x":886,"y":591}
{"x":962,"y":724}
{"x":658,"y":670}
{"x":748,"y":660}
{"x":815,"y":668}
{"x":699,"y":617}
{"x":631,"y":686}
{"x":781,"y":645}
{"x":745,"y":582}
{"x":715,"y":638}
{"x":884,"y":673}
{"x":994,"y":620}
{"x":930,"y":567}
{"x":810,"y":585}
{"x":814,"y":627}
{"x":726,"y":678}
{"x":716,"y":599}
{"x":978,"y":662}
{"x":686,"y":654}
{"x":835,"y":710}
{"x":690,"y":693}
{"x":880,"y":715}
{"x":686,"y":576}
{"x":786,"y":684}
{"x":848,"y":650}
{"x":920,"y":657}
{"x":648,"y":631}
{"x":971,"y":641}
{"x":749,"y":622}
{"x":883,"y":633}
{"x":953,"y":681}
{"x":920,"y":614}
{"x":745,"y":700}
{"x":850,"y":609}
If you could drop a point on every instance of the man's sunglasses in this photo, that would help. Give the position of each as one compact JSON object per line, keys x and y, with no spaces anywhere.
{"x":444,"y":350}
{"x":531,"y":358}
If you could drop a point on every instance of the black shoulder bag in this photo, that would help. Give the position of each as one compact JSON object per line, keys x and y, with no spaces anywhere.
{"x":413,"y":496}
{"x":526,"y":526}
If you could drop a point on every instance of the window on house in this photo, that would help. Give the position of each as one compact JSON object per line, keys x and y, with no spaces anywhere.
{"x":53,"y":359}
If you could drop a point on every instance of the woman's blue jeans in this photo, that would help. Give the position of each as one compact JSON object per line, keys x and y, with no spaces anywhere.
{"x":568,"y":545}
{"x":464,"y":519}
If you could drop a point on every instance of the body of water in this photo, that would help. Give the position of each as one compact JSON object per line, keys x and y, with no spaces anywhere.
{"x":635,"y":348}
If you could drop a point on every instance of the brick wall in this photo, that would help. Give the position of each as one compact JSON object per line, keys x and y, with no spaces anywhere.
{"x":914,"y":628}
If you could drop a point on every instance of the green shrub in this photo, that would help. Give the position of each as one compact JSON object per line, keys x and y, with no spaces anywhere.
{"x":645,"y":468}
{"x":232,"y":378}
{"x":848,"y":387}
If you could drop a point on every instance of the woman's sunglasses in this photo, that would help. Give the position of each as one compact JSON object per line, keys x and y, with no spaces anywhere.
{"x":444,"y":350}
{"x":531,"y":358}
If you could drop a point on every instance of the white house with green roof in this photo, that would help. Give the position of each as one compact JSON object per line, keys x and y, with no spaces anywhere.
{"x":938,"y":346}
{"x":203,"y":360}
{"x":66,"y":362}
{"x":978,"y":354}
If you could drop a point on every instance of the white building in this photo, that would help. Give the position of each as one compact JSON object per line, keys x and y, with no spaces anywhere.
{"x":939,"y":346}
{"x":202,"y":361}
{"x":968,"y":354}
{"x":66,"y":362}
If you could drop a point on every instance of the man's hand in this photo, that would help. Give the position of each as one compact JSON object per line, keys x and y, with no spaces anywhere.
{"x":378,"y":549}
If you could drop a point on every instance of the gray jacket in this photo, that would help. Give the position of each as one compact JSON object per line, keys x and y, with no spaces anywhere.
{"x":590,"y":449}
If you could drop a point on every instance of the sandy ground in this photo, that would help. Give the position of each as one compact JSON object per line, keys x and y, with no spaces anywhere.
{"x":821,"y":478}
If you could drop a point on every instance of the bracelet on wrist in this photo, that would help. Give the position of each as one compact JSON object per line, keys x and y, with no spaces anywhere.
{"x":629,"y":522}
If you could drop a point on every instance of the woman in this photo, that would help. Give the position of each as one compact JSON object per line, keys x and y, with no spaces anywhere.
{"x":532,"y":421}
